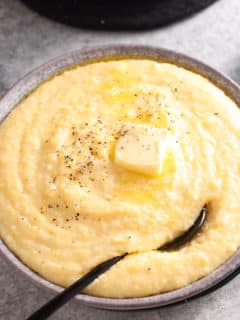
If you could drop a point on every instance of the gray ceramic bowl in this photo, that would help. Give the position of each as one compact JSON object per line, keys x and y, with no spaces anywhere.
{"x":218,"y":277}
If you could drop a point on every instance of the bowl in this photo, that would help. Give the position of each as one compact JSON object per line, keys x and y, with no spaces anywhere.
{"x":215,"y":279}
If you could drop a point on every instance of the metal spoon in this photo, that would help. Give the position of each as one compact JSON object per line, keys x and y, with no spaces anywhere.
{"x":58,"y":301}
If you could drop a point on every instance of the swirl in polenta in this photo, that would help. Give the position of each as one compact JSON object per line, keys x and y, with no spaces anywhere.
{"x":120,"y":156}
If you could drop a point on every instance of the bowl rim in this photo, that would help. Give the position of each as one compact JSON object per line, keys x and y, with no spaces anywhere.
{"x":112,"y":52}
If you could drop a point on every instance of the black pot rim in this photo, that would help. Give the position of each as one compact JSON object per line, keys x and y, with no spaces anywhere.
{"x":118,"y":15}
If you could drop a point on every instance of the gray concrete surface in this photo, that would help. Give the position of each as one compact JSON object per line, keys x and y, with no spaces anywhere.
{"x":27,"y":40}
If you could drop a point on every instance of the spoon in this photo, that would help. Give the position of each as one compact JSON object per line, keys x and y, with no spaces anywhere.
{"x":63,"y":297}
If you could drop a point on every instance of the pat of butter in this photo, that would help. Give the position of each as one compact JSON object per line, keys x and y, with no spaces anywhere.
{"x":143,"y":150}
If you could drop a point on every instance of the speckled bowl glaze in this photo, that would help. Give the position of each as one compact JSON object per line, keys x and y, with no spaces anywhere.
{"x":213,"y":280}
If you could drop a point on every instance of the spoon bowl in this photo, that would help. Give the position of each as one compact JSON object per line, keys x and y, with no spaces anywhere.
{"x":188,"y":235}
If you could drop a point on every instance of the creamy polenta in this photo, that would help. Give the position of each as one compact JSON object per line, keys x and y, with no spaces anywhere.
{"x":115,"y":157}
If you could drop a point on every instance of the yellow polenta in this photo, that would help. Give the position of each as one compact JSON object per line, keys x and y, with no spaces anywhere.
{"x":71,"y":197}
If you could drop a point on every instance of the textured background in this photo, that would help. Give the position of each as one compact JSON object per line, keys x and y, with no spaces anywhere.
{"x":27,"y":40}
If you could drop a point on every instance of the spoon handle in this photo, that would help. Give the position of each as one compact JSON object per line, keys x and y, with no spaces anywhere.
{"x":63,"y":297}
